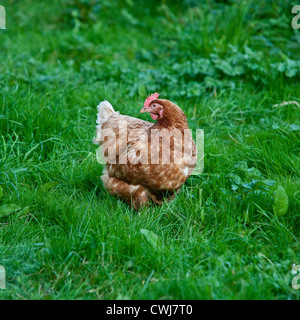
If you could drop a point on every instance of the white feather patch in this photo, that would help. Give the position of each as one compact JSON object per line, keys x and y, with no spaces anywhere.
{"x":186,"y":171}
{"x":105,"y":109}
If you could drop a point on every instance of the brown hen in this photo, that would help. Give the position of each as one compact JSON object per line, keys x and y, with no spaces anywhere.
{"x":145,"y":161}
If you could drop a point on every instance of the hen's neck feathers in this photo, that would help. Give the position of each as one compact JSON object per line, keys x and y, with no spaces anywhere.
{"x":173,"y":116}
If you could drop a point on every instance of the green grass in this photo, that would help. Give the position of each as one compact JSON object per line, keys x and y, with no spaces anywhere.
{"x":226,"y":63}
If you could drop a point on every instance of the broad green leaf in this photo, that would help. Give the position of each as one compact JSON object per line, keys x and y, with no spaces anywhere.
{"x":1,"y":193}
{"x":281,"y":202}
{"x":291,"y":72}
{"x":152,"y":238}
{"x":293,"y":127}
{"x":7,"y":209}
{"x":49,"y":185}
{"x":225,"y":67}
{"x":234,"y":187}
{"x":24,"y":211}
{"x":269,"y":182}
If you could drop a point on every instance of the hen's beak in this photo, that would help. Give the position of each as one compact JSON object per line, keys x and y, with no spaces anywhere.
{"x":145,"y":109}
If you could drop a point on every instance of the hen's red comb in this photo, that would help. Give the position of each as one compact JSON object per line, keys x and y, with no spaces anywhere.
{"x":150,"y":98}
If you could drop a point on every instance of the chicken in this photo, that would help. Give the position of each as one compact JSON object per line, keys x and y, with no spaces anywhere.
{"x":145,"y":162}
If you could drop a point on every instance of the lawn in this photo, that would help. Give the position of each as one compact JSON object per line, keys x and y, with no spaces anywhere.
{"x":233,"y":232}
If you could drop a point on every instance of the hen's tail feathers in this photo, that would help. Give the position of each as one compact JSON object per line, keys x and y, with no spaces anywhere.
{"x":105,"y":109}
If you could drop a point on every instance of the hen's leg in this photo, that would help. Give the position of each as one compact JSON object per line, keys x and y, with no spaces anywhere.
{"x":136,"y":196}
{"x":161,"y":197}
